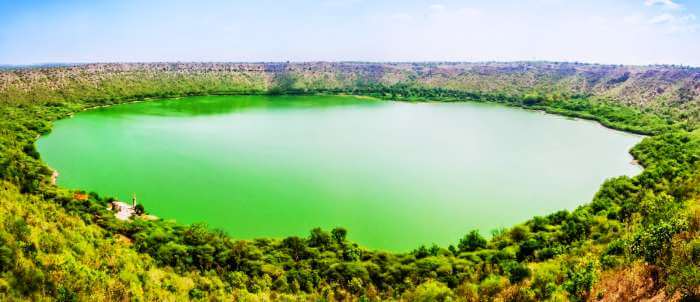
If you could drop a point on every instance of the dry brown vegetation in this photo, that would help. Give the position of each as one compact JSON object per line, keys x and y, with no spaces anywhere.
{"x":650,"y":87}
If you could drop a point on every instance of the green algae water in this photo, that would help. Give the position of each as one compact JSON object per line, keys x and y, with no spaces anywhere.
{"x":396,"y":175}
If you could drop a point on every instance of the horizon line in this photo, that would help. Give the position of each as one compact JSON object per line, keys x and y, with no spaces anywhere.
{"x":75,"y":64}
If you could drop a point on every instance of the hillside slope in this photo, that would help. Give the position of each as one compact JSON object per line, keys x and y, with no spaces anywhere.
{"x":56,"y":244}
{"x":658,"y":88}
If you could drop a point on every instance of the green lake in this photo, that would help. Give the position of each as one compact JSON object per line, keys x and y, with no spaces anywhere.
{"x":395,"y":174}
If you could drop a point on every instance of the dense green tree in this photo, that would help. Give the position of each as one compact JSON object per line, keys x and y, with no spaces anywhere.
{"x":472,"y":242}
{"x":339,"y":234}
{"x":319,"y":238}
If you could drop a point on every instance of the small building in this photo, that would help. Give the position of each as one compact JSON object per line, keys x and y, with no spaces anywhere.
{"x":122,"y":210}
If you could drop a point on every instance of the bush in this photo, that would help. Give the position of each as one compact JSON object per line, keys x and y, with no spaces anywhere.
{"x":609,"y":261}
{"x":430,"y":291}
{"x":558,"y":217}
{"x":6,"y":258}
{"x":539,"y":224}
{"x":472,"y":242}
{"x":580,"y":280}
{"x":139,"y":209}
{"x":319,"y":238}
{"x":492,"y":285}
{"x":615,"y":247}
{"x":339,"y":234}
{"x":653,"y":242}
{"x":694,"y":248}
{"x":519,"y":233}
{"x":546,"y":253}
{"x":528,"y":248}
{"x":518,"y":272}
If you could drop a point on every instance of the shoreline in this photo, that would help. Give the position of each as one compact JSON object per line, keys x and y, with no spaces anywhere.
{"x":633,"y":161}
{"x":543,"y":109}
{"x":54,"y":177}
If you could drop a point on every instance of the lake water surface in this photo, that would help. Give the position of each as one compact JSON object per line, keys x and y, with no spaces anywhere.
{"x":396,"y":175}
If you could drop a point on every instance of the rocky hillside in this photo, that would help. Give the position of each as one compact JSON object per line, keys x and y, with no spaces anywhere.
{"x":652,"y":87}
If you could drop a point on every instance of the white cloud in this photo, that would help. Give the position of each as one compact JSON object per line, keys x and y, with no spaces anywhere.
{"x":443,"y":14}
{"x":675,"y":23}
{"x":673,"y":18}
{"x":340,"y":3}
{"x":661,"y":19}
{"x":689,"y":18}
{"x":437,"y":7}
{"x":668,"y":4}
{"x":685,"y":23}
{"x":633,"y":19}
{"x":401,"y":17}
{"x":468,"y":12}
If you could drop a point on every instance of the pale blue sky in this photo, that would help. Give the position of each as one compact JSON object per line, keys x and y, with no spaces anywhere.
{"x":620,"y":32}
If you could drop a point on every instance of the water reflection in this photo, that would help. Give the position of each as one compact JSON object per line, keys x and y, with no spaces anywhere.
{"x":216,"y":105}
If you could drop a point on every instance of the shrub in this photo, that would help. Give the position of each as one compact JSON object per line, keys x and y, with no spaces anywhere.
{"x":580,"y":281}
{"x":339,"y":234}
{"x":615,"y":247}
{"x":518,"y":272}
{"x":431,"y":291}
{"x":539,"y":224}
{"x":492,"y":285}
{"x":472,"y":242}
{"x":319,"y":238}
{"x":519,"y":233}
{"x":528,"y":248}
{"x":653,"y":242}
{"x":546,"y":253}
